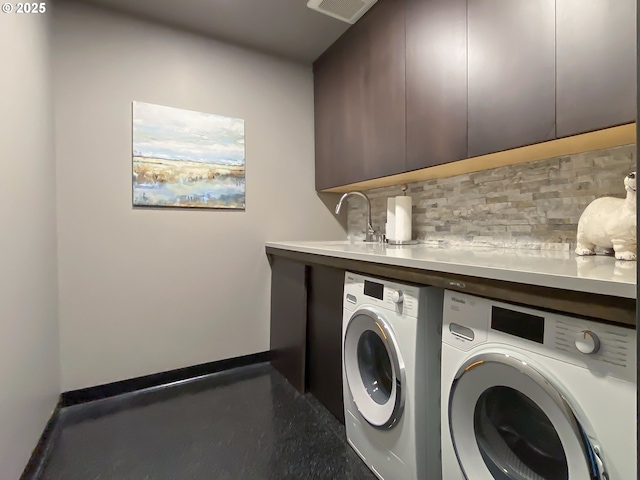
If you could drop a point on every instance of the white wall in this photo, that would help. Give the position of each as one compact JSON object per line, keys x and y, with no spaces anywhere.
{"x":143,"y":291}
{"x":29,"y":360}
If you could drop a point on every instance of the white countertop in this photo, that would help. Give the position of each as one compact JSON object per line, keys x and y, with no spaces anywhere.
{"x":565,"y":270}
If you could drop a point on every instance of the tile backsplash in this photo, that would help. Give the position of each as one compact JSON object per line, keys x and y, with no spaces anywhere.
{"x":533,"y":205}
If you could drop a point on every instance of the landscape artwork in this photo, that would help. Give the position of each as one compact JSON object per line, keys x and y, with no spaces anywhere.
{"x":187,"y":159}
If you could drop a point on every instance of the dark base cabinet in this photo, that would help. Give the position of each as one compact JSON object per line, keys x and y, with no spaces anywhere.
{"x":324,"y":337}
{"x":306,"y":329}
{"x":288,"y":319}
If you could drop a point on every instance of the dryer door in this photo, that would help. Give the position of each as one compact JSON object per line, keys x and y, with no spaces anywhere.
{"x":373,"y":368}
{"x":508,"y":422}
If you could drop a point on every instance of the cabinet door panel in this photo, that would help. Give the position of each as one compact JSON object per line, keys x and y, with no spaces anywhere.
{"x":332,"y":113}
{"x":436,"y":82}
{"x":596,"y":64}
{"x":360,"y":100}
{"x":381,"y":81}
{"x":511,"y":61}
{"x":324,"y":337}
{"x":289,"y":319}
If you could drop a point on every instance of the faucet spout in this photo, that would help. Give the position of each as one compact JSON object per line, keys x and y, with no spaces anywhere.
{"x":339,"y":205}
{"x":370,"y":231}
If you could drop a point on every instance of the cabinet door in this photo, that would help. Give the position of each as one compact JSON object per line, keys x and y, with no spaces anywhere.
{"x":332,"y":117}
{"x":324,"y":337}
{"x":289,"y":319}
{"x":360,"y":100}
{"x":511,"y":73}
{"x":596,"y":64}
{"x":436,"y":84}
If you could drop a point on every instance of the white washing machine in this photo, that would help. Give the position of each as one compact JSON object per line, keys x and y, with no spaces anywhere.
{"x":391,"y":376}
{"x":532,"y":395}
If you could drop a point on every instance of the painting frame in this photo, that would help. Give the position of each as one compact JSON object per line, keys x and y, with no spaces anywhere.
{"x":186,"y":159}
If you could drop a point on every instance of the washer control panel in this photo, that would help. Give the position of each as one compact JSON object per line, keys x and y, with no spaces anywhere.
{"x":598,"y":342}
{"x":399,"y":298}
{"x":470,"y":321}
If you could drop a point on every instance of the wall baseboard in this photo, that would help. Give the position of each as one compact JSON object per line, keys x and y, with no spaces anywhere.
{"x":52,"y":430}
{"x":99,"y":392}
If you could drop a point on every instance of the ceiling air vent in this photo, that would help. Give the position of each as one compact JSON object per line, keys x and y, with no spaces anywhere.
{"x":346,"y":10}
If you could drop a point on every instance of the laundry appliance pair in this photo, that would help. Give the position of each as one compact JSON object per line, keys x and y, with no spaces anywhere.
{"x":439,"y":384}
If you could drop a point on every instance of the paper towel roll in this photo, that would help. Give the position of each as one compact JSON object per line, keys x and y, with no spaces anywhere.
{"x":402,"y":219}
{"x":391,"y":219}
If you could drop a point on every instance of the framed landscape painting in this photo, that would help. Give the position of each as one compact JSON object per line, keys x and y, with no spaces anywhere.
{"x":187,"y":159}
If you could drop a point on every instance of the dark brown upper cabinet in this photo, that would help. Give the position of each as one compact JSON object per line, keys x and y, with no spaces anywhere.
{"x":360,"y":100}
{"x":331,"y":80}
{"x":418,"y":83}
{"x":436,"y":82}
{"x":511,"y":62}
{"x":596,"y":64}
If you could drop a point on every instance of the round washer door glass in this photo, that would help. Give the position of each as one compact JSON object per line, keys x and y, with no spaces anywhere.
{"x":373,"y":368}
{"x":513,"y":434}
{"x":508,"y":422}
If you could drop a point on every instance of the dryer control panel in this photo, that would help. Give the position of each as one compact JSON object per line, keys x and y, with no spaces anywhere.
{"x":397,"y":297}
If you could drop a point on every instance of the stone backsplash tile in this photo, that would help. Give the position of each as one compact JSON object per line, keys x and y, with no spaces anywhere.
{"x":534,"y":205}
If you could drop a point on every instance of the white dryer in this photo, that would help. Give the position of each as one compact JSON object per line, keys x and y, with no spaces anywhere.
{"x":533,"y":395}
{"x":391,"y":376}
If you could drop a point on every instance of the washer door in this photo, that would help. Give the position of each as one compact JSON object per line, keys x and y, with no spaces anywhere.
{"x":508,"y":422}
{"x":373,"y":368}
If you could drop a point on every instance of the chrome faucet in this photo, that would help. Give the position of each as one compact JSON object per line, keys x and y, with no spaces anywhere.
{"x":371,"y":233}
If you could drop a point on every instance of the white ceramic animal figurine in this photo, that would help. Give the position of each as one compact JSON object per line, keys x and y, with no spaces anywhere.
{"x":610,"y":223}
